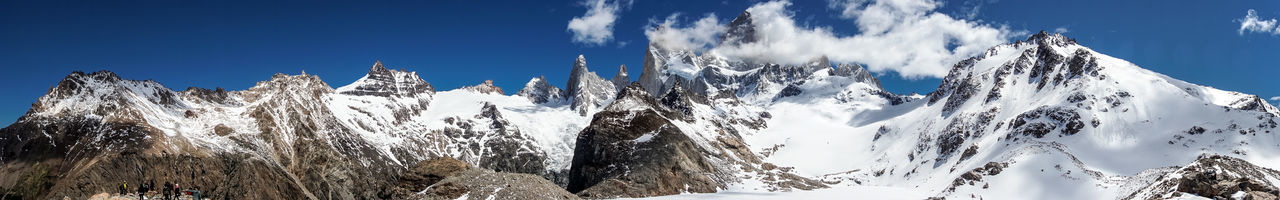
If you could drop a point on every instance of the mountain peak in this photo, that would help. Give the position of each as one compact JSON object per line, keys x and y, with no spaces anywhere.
{"x":621,"y":79}
{"x":740,"y":30}
{"x":385,"y":83}
{"x":377,"y":67}
{"x":539,"y":91}
{"x":1056,"y":39}
{"x":585,"y":89}
{"x":486,"y":87}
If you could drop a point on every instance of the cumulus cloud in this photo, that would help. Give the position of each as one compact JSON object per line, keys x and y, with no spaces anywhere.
{"x":596,"y":26}
{"x":697,"y":36}
{"x":904,"y":36}
{"x":1252,"y":23}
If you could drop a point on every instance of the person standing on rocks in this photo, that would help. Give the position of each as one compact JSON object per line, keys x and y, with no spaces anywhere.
{"x":167,"y":191}
{"x":124,"y":188}
{"x":142,"y":191}
{"x":195,"y":192}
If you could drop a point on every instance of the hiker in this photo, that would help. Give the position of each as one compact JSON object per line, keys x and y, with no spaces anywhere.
{"x":142,"y":191}
{"x":167,"y":191}
{"x":124,"y":188}
{"x":177,"y":190}
{"x":195,"y":193}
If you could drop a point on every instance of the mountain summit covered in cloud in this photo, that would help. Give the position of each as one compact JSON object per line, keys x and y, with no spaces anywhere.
{"x":753,"y":108}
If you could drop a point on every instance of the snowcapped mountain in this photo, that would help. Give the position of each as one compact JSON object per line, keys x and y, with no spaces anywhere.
{"x":586,"y":91}
{"x":294,"y":132}
{"x":539,"y":91}
{"x":1042,"y":118}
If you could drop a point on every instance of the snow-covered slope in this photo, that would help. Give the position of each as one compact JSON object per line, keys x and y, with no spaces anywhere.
{"x":297,"y":126}
{"x":1060,"y":120}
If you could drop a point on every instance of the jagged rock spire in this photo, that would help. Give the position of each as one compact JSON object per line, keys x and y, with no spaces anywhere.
{"x":586,"y":90}
{"x":621,"y":80}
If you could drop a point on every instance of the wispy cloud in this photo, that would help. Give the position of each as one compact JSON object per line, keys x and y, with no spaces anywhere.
{"x":1252,"y":23}
{"x":1275,"y":98}
{"x":905,"y":36}
{"x":1061,"y":30}
{"x":595,"y":27}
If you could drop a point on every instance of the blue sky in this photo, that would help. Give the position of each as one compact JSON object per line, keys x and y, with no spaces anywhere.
{"x":234,"y":44}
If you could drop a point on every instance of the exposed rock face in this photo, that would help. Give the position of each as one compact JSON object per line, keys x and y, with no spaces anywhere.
{"x":486,"y":87}
{"x":585,"y":90}
{"x":425,"y":173}
{"x":539,"y":91}
{"x":740,"y":31}
{"x":493,"y":143}
{"x":405,"y":94}
{"x":384,"y":82}
{"x":96,"y":137}
{"x":1045,"y":120}
{"x":634,"y":148}
{"x":621,"y":80}
{"x":652,"y":76}
{"x":857,"y":72}
{"x":215,"y":96}
{"x":1215,"y":177}
{"x":280,"y":139}
{"x":446,"y":178}
{"x":709,"y":75}
{"x":631,"y":150}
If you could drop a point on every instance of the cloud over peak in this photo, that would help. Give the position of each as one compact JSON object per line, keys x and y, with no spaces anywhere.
{"x":595,"y":27}
{"x":1251,"y":23}
{"x":697,"y":36}
{"x":905,"y":36}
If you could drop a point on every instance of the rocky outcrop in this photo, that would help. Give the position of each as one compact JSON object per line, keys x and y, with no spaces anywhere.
{"x":491,"y":142}
{"x":384,"y":82}
{"x":539,"y":91}
{"x":486,"y":87}
{"x":631,"y":150}
{"x":1214,"y":177}
{"x":857,"y":72}
{"x":446,"y":178}
{"x":585,"y":90}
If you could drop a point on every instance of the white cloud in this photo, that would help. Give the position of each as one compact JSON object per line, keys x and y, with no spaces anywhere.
{"x":1275,"y":98}
{"x":971,"y":8}
{"x":1061,"y":30}
{"x":905,"y":36}
{"x":670,"y":34}
{"x":596,"y":26}
{"x":1252,"y":23}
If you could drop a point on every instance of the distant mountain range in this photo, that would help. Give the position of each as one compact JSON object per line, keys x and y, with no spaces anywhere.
{"x":1041,"y":118}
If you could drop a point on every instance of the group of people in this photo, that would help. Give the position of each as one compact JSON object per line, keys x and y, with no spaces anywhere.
{"x":168,"y":191}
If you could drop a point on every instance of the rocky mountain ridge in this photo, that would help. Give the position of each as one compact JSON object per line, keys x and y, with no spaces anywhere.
{"x":1045,"y":113}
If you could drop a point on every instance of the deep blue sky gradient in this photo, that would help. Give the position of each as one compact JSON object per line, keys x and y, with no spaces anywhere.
{"x":234,"y":44}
